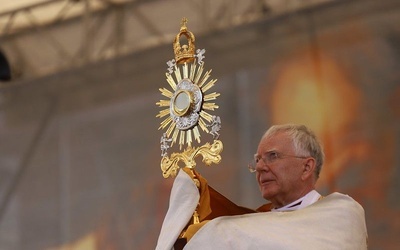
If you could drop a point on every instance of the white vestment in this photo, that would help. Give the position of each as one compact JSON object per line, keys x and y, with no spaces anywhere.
{"x":334,"y":222}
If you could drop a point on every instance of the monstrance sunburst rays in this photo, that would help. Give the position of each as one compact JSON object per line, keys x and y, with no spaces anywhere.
{"x":193,"y":73}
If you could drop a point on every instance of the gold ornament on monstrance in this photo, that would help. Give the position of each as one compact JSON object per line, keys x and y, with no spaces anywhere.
{"x":187,"y":111}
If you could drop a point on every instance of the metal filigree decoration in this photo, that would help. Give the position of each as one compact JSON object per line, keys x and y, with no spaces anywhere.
{"x":186,"y":111}
{"x":210,"y":153}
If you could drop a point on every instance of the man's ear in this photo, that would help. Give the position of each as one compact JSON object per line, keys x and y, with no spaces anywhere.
{"x":308,"y":169}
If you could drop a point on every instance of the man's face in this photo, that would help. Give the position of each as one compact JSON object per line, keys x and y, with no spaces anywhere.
{"x":279,"y":180}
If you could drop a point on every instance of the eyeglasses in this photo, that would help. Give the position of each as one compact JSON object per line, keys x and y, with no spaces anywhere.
{"x":269,"y":158}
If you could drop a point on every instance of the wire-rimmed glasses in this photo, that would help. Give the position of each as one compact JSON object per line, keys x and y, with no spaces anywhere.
{"x":269,"y":158}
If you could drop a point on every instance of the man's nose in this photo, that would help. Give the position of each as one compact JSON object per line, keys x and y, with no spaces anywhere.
{"x":261,"y":166}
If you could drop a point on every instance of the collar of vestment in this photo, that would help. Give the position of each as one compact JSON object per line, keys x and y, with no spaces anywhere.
{"x":303,"y":202}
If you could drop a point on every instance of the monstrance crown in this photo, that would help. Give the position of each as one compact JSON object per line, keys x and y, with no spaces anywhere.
{"x":184,"y":53}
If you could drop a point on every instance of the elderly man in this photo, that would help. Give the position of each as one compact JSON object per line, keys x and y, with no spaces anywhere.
{"x":287,"y":165}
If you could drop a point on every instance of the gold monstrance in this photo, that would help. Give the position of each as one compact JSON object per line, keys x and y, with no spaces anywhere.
{"x":187,"y":108}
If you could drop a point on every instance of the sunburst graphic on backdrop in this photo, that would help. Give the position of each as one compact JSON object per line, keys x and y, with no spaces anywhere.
{"x":187,"y":106}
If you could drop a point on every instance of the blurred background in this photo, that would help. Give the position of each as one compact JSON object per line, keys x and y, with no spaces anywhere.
{"x":79,"y":140}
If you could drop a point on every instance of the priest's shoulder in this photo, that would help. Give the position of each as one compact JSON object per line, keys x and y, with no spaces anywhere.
{"x":342,"y":200}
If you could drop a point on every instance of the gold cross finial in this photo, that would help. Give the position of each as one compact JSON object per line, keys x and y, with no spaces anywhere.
{"x":184,"y":22}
